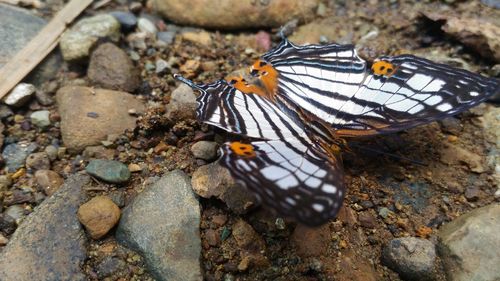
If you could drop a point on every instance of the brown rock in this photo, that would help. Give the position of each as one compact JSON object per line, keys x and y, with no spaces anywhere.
{"x":49,"y":180}
{"x":38,"y":161}
{"x":89,"y":115}
{"x":212,"y":237}
{"x":182,"y":104}
{"x":202,"y":37}
{"x":111,"y":68}
{"x":367,"y":220}
{"x":311,"y":242}
{"x":235,"y":14}
{"x":250,"y":243}
{"x":454,"y":154}
{"x":98,"y":216}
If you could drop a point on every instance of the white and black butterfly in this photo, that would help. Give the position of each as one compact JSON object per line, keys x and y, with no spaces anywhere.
{"x":306,"y":99}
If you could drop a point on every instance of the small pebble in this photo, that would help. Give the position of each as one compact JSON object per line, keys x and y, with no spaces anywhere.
{"x":40,"y":118}
{"x":20,"y":94}
{"x":3,"y":240}
{"x":206,"y":150}
{"x":110,"y":265}
{"x":166,"y":36}
{"x":108,"y":170}
{"x":145,"y":25}
{"x":15,"y":154}
{"x":162,"y":67}
{"x":38,"y":161}
{"x":51,"y":152}
{"x":98,"y":216}
{"x":127,"y":20}
{"x":15,"y":211}
{"x":49,"y":181}
{"x":5,"y":182}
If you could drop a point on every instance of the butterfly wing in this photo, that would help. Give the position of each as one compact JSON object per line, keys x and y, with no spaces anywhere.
{"x":291,"y":176}
{"x":332,"y":83}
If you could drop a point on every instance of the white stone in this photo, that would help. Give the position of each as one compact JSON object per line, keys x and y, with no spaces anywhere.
{"x":20,"y":94}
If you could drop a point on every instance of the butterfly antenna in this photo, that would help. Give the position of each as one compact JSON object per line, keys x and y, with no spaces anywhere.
{"x":388,"y":154}
{"x":187,"y":82}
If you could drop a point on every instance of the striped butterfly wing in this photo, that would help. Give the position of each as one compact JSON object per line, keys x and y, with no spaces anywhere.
{"x":333,"y":84}
{"x":280,"y":165}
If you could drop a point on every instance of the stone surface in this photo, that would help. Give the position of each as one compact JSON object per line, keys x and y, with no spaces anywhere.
{"x":15,"y":154}
{"x":454,"y":154}
{"x":21,"y":94}
{"x":206,"y":150}
{"x":109,"y":266}
{"x":98,"y":216}
{"x":89,"y":115}
{"x":251,"y":14}
{"x":111,"y":68}
{"x":127,"y":20}
{"x":468,"y":245}
{"x":201,"y":37}
{"x":50,"y":243}
{"x":311,"y":242}
{"x":162,"y":224}
{"x":49,"y":181}
{"x":38,"y":161}
{"x":412,"y":258}
{"x":76,"y":43}
{"x":17,"y":27}
{"x":182,"y":104}
{"x":40,"y":118}
{"x":108,"y":170}
{"x":145,"y":25}
{"x":251,"y":245}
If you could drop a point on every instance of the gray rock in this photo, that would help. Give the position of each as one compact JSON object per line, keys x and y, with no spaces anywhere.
{"x":108,"y":170}
{"x":110,"y":265}
{"x":412,"y":258}
{"x":166,"y":36}
{"x":51,"y":152}
{"x":468,"y":246}
{"x":38,"y":161}
{"x":89,"y":115}
{"x":111,"y":68}
{"x":161,"y":66}
{"x":16,"y":212}
{"x":40,"y":118}
{"x":50,"y":243}
{"x":21,"y":94}
{"x":5,"y":182}
{"x":492,"y":3}
{"x":7,"y":224}
{"x":5,"y":112}
{"x":145,"y":25}
{"x":168,"y":236}
{"x":182,"y":104}
{"x":17,"y":27}
{"x":15,"y":154}
{"x":127,"y":20}
{"x":206,"y":150}
{"x":76,"y":43}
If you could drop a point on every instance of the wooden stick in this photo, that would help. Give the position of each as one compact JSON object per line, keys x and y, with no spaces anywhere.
{"x":39,"y":47}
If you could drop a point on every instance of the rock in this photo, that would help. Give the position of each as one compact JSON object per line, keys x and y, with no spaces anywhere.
{"x":453,"y":155}
{"x":111,"y":68}
{"x":5,"y":112}
{"x":311,"y":242}
{"x":3,"y":240}
{"x":16,"y":212}
{"x":38,"y":161}
{"x":451,"y":125}
{"x":51,"y":152}
{"x":49,"y":181}
{"x":145,"y":25}
{"x":76,"y":43}
{"x":162,"y":67}
{"x":98,"y":152}
{"x":182,"y":104}
{"x":472,"y":192}
{"x":166,"y":36}
{"x":5,"y":182}
{"x":110,"y":265}
{"x":137,"y":40}
{"x":468,"y":245}
{"x":98,"y":216}
{"x":15,"y":154}
{"x":127,"y":20}
{"x":40,"y":118}
{"x":7,"y":224}
{"x":412,"y":258}
{"x":251,"y":14}
{"x":21,"y":94}
{"x":492,"y":3}
{"x":168,"y":236}
{"x":206,"y":150}
{"x":491,"y":127}
{"x":34,"y":253}
{"x":201,"y":37}
{"x":89,"y":115}
{"x":17,"y":27}
{"x":367,"y":220}
{"x":251,"y":245}
{"x":213,"y":180}
{"x":108,"y":170}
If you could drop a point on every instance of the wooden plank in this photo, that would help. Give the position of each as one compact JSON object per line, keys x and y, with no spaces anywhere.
{"x":39,"y":47}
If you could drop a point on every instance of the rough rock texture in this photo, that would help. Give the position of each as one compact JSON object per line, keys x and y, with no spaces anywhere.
{"x":89,"y":115}
{"x":111,"y":68}
{"x":249,"y":13}
{"x":76,"y":42}
{"x":468,"y":246}
{"x":182,"y":104}
{"x":162,"y":224}
{"x":412,"y":258}
{"x":50,"y":243}
{"x":98,"y":216}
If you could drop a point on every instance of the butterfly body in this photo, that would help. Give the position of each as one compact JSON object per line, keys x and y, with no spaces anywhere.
{"x":305,"y":100}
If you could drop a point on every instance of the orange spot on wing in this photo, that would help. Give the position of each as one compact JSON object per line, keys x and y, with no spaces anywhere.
{"x":246,"y":88}
{"x":267,"y":75}
{"x":383,"y":68}
{"x":242,"y":149}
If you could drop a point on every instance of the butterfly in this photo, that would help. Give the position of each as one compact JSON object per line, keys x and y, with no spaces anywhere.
{"x":304,"y":101}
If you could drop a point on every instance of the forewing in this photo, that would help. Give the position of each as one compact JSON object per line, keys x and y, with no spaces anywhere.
{"x":333,"y":84}
{"x":291,"y":176}
{"x":223,"y":106}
